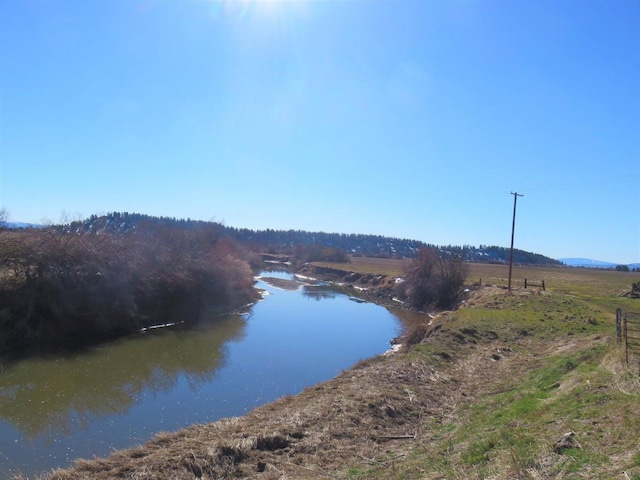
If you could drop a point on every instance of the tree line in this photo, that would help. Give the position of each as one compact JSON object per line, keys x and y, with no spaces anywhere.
{"x":285,"y":241}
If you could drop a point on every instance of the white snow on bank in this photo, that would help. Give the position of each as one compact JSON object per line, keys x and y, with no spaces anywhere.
{"x":395,"y":348}
{"x":280,"y":287}
{"x":164,"y":325}
{"x":302,"y":277}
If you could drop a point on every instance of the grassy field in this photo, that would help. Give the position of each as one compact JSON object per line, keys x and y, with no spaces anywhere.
{"x":487,"y":394}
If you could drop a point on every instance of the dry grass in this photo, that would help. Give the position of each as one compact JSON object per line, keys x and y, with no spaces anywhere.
{"x":565,"y":280}
{"x":367,"y":265}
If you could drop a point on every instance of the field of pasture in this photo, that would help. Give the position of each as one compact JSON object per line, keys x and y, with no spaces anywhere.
{"x":604,"y":287}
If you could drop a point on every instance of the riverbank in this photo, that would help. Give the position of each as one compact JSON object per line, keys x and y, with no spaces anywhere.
{"x":488,"y":392}
{"x":370,"y":416}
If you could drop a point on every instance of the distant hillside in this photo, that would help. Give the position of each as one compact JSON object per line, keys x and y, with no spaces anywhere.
{"x":586,"y":262}
{"x":589,"y":263}
{"x":494,"y":254}
{"x":18,"y":225}
{"x":285,"y":240}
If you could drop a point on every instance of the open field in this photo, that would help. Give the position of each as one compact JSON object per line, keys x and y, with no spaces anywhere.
{"x":566,"y":280}
{"x":377,"y":266}
{"x":605,"y":287}
{"x":574,"y":281}
{"x":487,"y":394}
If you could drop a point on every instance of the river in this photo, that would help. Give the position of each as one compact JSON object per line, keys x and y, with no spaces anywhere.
{"x":117,"y":395}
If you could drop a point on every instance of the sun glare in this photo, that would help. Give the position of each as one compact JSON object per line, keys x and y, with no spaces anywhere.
{"x":274,"y":12}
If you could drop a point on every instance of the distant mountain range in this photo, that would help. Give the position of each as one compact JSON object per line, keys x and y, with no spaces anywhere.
{"x":589,"y":263}
{"x":24,"y":225}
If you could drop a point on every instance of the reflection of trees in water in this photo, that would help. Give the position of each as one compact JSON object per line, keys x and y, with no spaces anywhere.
{"x":319,"y":292}
{"x":409,"y":318}
{"x":52,"y":395}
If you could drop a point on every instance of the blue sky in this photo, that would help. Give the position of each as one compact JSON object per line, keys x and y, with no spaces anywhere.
{"x":413,"y":119}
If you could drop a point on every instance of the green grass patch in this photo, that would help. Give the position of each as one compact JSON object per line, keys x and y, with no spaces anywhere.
{"x":478,"y":452}
{"x":541,"y":317}
{"x":519,"y":425}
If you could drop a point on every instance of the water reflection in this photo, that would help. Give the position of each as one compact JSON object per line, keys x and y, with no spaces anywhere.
{"x":409,"y":317}
{"x":318,"y":292}
{"x":43,"y":397}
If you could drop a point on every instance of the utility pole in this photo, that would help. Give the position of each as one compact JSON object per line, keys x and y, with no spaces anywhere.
{"x":513,"y":230}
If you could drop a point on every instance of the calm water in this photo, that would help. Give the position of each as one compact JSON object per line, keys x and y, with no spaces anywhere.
{"x":56,"y":409}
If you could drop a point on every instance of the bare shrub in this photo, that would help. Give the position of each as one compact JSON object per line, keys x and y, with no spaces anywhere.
{"x":433,"y":280}
{"x":4,"y":216}
{"x":59,"y":286}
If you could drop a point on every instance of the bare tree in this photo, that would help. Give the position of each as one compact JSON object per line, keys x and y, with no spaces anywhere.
{"x":4,"y":216}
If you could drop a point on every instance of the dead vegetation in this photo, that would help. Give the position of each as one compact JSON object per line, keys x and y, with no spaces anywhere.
{"x":60,"y":288}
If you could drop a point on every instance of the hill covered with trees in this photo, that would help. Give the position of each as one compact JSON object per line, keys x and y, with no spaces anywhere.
{"x":285,"y":241}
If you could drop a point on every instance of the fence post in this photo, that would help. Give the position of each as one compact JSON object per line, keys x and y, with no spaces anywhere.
{"x":525,"y":283}
{"x":619,"y":324}
{"x":626,"y":340}
{"x":543,"y":287}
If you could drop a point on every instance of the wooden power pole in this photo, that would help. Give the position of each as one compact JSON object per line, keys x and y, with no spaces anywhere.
{"x":513,"y":230}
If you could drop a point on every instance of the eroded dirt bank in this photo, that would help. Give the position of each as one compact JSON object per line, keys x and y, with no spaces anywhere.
{"x":381,"y":288}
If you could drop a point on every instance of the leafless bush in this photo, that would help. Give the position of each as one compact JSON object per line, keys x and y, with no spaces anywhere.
{"x":4,"y":216}
{"x":59,"y":286}
{"x":433,"y":280}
